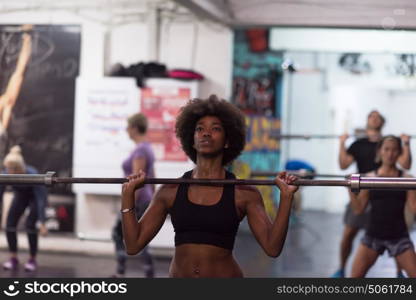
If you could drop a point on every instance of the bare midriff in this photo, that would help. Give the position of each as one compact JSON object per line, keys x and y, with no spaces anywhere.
{"x":200,"y":260}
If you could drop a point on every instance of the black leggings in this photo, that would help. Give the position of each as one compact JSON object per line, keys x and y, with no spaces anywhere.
{"x":18,"y":207}
{"x":121,"y":254}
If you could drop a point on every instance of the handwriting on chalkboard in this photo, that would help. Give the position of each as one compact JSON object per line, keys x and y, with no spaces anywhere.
{"x":40,"y":65}
{"x":10,"y":43}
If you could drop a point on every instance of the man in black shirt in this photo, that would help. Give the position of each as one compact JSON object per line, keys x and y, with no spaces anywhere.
{"x":363,"y":152}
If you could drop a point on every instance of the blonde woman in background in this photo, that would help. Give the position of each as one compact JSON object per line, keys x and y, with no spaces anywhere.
{"x":32,"y":197}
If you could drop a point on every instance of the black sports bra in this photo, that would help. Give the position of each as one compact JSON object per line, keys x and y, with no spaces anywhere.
{"x":215,"y":224}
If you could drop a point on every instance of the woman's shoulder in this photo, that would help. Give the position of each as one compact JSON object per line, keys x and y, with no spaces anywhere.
{"x":166,"y":194}
{"x":168,"y":188}
{"x":139,"y":147}
{"x":243,"y":190}
{"x":247,"y":191}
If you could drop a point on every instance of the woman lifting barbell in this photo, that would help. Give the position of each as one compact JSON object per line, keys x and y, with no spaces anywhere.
{"x":386,"y":228}
{"x":206,"y":218}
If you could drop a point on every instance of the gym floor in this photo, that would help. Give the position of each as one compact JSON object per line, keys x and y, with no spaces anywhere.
{"x":311,"y":250}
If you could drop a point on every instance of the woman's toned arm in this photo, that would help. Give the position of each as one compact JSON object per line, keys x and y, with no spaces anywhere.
{"x":271,"y":236}
{"x":405,"y":159}
{"x":359,"y":202}
{"x":137,"y":234}
{"x":411,"y":197}
{"x":344,"y":158}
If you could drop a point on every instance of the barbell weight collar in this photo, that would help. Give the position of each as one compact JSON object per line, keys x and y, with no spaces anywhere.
{"x":301,"y":174}
{"x":355,"y":183}
{"x":282,"y":136}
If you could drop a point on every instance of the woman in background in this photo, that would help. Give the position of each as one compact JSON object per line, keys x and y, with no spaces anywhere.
{"x":141,"y":158}
{"x":206,"y":218}
{"x":386,"y":229}
{"x":32,"y":197}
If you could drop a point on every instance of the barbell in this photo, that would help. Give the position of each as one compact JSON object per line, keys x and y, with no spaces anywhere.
{"x":355,"y":182}
{"x":280,"y":136}
{"x":301,"y":174}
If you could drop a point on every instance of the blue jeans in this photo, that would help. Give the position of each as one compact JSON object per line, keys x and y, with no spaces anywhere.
{"x":18,"y":207}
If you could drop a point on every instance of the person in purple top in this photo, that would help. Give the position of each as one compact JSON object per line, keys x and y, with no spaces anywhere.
{"x":141,"y":158}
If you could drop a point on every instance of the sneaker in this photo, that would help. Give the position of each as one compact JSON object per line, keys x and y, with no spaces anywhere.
{"x":338,"y":274}
{"x":148,"y":271}
{"x":30,"y":266}
{"x":400,"y":274}
{"x":11,"y":264}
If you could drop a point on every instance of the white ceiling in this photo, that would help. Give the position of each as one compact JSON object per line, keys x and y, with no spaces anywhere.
{"x":387,"y":14}
{"x":108,"y":12}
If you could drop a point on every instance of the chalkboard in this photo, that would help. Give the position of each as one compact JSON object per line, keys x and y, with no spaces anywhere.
{"x":42,"y":118}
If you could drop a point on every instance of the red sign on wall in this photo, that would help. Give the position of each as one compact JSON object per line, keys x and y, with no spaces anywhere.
{"x":161,"y":105}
